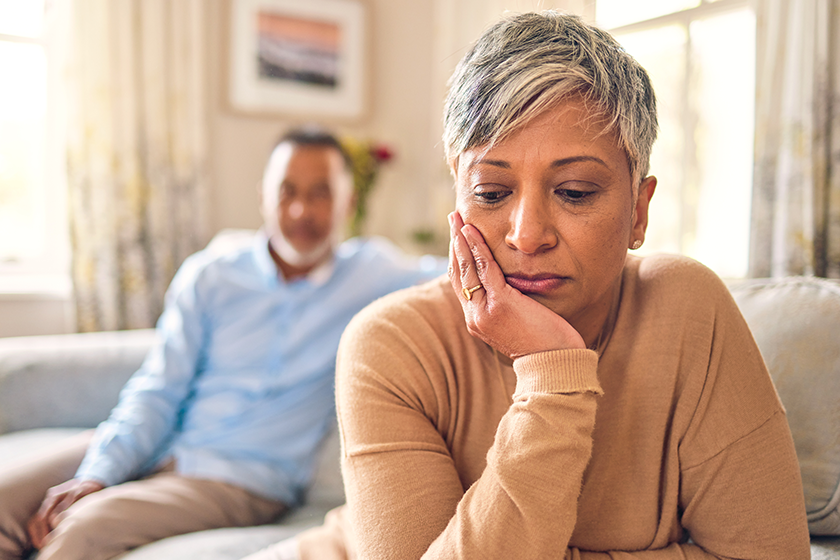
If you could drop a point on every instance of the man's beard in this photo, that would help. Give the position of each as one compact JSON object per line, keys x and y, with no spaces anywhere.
{"x":296,"y":258}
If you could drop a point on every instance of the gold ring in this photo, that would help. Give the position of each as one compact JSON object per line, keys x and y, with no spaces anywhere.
{"x":468,"y":292}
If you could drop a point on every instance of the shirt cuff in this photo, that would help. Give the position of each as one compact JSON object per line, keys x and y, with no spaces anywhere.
{"x":97,"y":470}
{"x":557,"y":371}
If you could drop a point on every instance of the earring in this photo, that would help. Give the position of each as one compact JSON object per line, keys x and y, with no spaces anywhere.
{"x":636,"y":244}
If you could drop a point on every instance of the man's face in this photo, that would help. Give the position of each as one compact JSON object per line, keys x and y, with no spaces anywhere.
{"x":306,"y":195}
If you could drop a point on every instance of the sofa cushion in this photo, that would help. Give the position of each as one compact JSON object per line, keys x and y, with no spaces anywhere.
{"x":825,"y":548}
{"x":225,"y":544}
{"x":68,"y":380}
{"x":796,"y":322}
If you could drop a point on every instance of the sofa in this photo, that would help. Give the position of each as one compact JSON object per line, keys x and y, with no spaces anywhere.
{"x":54,"y":386}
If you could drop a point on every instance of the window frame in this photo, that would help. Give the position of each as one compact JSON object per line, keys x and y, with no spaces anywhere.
{"x":48,"y":273}
{"x":689,"y":162}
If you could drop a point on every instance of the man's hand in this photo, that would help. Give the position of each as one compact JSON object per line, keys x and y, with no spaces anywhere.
{"x":498,"y":313}
{"x":57,"y":500}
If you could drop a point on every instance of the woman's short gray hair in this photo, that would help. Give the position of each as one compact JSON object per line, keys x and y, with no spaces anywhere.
{"x":527,"y":63}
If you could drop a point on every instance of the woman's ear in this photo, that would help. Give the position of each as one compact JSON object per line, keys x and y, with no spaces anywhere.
{"x":453,"y":167}
{"x":640,"y":212}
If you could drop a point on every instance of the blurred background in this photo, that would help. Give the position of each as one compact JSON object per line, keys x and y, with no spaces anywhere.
{"x":132,"y":131}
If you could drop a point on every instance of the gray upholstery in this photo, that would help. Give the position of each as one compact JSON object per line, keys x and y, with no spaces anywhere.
{"x":796,"y":323}
{"x":71,"y":381}
{"x":77,"y":377}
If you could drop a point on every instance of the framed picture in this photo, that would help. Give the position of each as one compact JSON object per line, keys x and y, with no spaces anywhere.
{"x":299,"y":58}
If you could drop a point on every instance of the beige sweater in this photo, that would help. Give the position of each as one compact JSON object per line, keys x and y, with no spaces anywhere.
{"x":674,"y":432}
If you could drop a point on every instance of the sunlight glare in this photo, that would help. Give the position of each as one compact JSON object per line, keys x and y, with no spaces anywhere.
{"x":22,"y":17}
{"x":615,"y":13}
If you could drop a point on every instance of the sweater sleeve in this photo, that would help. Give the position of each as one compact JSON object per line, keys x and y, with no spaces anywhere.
{"x":525,"y":503}
{"x":404,"y":494}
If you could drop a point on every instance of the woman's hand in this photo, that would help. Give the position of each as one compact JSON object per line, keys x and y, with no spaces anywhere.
{"x":56,"y":502}
{"x":495,"y":312}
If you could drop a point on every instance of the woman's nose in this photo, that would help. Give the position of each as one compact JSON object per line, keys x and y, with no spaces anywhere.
{"x":531,"y":229}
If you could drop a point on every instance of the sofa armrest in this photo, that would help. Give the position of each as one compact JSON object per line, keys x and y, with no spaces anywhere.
{"x":795,"y":322}
{"x":68,"y":380}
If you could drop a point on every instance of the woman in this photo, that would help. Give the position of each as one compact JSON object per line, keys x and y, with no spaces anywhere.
{"x":555,"y":397}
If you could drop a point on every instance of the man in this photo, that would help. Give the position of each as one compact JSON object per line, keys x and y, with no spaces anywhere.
{"x":220,"y":425}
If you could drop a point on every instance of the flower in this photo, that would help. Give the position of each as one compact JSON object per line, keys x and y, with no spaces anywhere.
{"x":381,"y":153}
{"x":366,"y":157}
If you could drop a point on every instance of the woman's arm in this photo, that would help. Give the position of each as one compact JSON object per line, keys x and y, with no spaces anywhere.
{"x":404,"y":493}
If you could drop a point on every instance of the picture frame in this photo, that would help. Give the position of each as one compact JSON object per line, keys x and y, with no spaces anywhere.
{"x":298,"y":58}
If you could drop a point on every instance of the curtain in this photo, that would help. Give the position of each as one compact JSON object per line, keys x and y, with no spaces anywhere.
{"x":136,"y":154}
{"x":795,"y":225}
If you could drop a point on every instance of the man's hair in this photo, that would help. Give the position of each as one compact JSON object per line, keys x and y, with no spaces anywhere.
{"x":313,"y":135}
{"x":527,"y":63}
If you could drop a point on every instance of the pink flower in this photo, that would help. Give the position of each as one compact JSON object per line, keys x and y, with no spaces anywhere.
{"x":381,"y":153}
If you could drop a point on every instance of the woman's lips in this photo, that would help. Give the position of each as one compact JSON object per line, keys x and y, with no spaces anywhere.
{"x":542,"y":284}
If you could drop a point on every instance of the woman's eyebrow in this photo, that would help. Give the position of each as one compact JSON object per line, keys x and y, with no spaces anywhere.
{"x":494,"y":162}
{"x":576,"y":159}
{"x":556,"y":163}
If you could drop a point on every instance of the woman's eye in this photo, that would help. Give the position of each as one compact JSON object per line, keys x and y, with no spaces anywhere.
{"x":574,"y":194}
{"x":490,"y":196}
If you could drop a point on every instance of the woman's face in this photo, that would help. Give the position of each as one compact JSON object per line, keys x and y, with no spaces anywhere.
{"x":556,"y":206}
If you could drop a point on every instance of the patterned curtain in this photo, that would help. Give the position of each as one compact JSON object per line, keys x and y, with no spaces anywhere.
{"x":136,"y":154}
{"x":796,"y":193}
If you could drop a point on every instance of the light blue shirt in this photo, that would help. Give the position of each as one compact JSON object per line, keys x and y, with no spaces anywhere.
{"x":239,"y":386}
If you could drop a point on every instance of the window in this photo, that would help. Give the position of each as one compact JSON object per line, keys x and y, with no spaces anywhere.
{"x":33,"y":238}
{"x":700,"y":55}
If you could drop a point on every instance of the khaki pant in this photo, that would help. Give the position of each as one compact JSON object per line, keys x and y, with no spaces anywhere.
{"x":107,"y":523}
